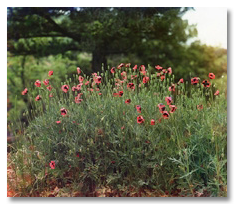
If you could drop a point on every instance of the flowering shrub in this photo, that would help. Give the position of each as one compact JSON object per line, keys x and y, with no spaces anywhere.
{"x":125,"y":128}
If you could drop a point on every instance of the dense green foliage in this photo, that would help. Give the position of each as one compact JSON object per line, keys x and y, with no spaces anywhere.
{"x":99,"y":142}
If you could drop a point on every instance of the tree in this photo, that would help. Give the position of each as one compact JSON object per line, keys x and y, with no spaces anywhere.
{"x":153,"y":34}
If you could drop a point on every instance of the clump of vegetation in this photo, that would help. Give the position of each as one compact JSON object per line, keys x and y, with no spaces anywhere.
{"x":132,"y":130}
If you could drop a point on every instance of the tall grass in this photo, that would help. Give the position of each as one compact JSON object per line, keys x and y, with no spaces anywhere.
{"x":100,"y":144}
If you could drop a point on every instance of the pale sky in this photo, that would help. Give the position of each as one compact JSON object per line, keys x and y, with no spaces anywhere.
{"x":211,"y":24}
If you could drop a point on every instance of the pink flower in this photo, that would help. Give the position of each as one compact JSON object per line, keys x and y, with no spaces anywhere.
{"x":74,"y":88}
{"x":63,"y":111}
{"x":135,"y":68}
{"x":168,"y":100}
{"x":181,"y":80}
{"x":172,"y":87}
{"x":145,"y":79}
{"x":46,"y":82}
{"x":49,"y":87}
{"x":79,"y":86}
{"x":112,"y":70}
{"x":216,"y":93}
{"x":138,"y":107}
{"x":173,"y":108}
{"x":78,"y":70}
{"x":25,"y":91}
{"x":169,"y":70}
{"x":65,"y":88}
{"x":38,"y":98}
{"x":120,"y":66}
{"x":140,"y":119}
{"x":87,"y":82}
{"x":159,"y":68}
{"x":124,"y":75}
{"x":38,"y":83}
{"x":58,"y":122}
{"x":50,"y":73}
{"x":52,"y":164}
{"x":81,"y":79}
{"x":98,"y":79}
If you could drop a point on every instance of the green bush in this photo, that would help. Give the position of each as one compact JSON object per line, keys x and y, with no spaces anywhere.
{"x":100,"y":143}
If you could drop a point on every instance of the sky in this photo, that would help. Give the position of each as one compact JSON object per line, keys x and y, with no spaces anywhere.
{"x":211,"y":24}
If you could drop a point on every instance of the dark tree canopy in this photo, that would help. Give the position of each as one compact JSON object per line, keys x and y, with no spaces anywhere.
{"x":151,"y":34}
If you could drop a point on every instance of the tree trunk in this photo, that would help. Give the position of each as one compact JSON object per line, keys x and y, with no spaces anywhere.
{"x":99,"y":60}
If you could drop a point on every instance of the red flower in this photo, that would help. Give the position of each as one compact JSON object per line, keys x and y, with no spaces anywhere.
{"x":200,"y":107}
{"x":216,"y":93}
{"x":38,"y":98}
{"x":49,"y":87}
{"x":128,"y":101}
{"x":121,"y":65}
{"x":51,"y":95}
{"x":145,"y":79}
{"x":161,"y":107}
{"x":165,"y":114}
{"x":25,"y":91}
{"x":63,"y":111}
{"x":120,"y":93}
{"x":138,"y":107}
{"x":124,"y":75}
{"x":113,"y":162}
{"x":127,"y":65}
{"x":152,"y":122}
{"x":135,"y":67}
{"x":38,"y":83}
{"x":181,"y":81}
{"x":162,"y":77}
{"x":172,"y":87}
{"x":169,"y":70}
{"x":78,"y":70}
{"x":52,"y":164}
{"x":50,"y":73}
{"x":81,"y":79}
{"x":131,"y":86}
{"x":112,"y":70}
{"x":74,"y":88}
{"x":164,"y":71}
{"x":78,"y":99}
{"x":195,"y":80}
{"x":173,"y":108}
{"x":140,"y":119}
{"x":206,"y":83}
{"x":168,"y":100}
{"x":98,"y":79}
{"x":158,"y":74}
{"x":46,"y":82}
{"x":78,"y":87}
{"x":159,"y":68}
{"x":211,"y":76}
{"x":142,"y":68}
{"x":58,"y":122}
{"x":65,"y":88}
{"x":100,"y":94}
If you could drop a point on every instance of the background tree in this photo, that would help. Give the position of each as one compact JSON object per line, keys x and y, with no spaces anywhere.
{"x":151,"y":34}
